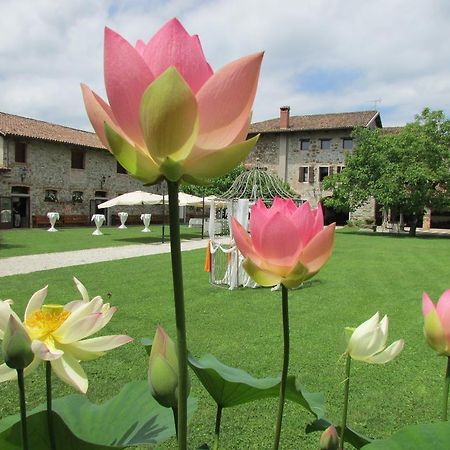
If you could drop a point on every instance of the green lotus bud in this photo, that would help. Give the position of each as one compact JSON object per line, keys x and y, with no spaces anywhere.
{"x":16,"y":346}
{"x":163,"y":370}
{"x":329,"y":439}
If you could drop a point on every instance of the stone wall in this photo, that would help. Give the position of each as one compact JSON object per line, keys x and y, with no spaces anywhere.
{"x":267,"y":150}
{"x":48,"y":167}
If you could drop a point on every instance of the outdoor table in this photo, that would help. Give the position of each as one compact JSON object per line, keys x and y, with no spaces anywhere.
{"x":123,"y":216}
{"x":98,"y":220}
{"x":146,"y":220}
{"x":52,"y":217}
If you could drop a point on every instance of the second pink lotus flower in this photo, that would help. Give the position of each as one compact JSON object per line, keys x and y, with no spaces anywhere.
{"x":287,"y":244}
{"x":169,"y":116}
{"x":437,"y":322}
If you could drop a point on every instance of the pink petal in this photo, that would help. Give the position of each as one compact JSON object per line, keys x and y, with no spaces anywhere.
{"x":258,"y":217}
{"x":427,"y":304}
{"x":443,"y":305}
{"x":443,"y":312}
{"x":173,"y":46}
{"x":140,"y":46}
{"x":126,"y":78}
{"x":280,"y":242}
{"x":243,"y":241}
{"x":98,"y":112}
{"x":319,"y":249}
{"x":318,"y":220}
{"x":304,"y":218}
{"x":225,"y":102}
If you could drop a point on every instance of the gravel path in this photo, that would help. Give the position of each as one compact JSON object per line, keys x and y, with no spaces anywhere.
{"x":34,"y":263}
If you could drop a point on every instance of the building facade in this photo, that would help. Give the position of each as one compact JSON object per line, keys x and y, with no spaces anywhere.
{"x":46,"y":167}
{"x":303,"y":150}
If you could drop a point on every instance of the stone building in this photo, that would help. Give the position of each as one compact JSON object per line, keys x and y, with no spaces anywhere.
{"x":46,"y":167}
{"x":303,"y":150}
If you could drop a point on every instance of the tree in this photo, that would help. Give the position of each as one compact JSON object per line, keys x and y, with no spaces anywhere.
{"x":217,"y":186}
{"x":405,"y":171}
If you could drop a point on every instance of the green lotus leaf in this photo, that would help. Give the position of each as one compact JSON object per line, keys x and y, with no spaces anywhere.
{"x":130,"y":418}
{"x":434,"y":436}
{"x":229,"y":386}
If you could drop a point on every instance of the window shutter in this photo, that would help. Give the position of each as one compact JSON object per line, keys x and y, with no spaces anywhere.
{"x":301,"y":174}
{"x":311,"y":174}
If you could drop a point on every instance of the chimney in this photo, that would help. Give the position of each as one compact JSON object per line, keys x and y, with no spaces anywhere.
{"x":284,"y":117}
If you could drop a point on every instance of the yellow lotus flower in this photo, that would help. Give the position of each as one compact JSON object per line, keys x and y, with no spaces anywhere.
{"x":58,"y":333}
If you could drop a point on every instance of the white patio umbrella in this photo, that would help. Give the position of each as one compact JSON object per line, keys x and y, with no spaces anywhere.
{"x":186,"y":199}
{"x":133,"y":199}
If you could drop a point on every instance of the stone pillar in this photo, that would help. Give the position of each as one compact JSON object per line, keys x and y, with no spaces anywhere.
{"x":427,"y":219}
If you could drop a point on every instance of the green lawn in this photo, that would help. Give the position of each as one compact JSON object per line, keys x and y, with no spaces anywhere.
{"x":367,"y":272}
{"x":17,"y":242}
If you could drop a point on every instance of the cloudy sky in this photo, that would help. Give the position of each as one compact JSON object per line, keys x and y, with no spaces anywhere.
{"x":321,"y":55}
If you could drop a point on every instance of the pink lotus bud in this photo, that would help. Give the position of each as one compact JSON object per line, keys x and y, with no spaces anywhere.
{"x":163,"y":372}
{"x":437,"y":322}
{"x":329,"y":439}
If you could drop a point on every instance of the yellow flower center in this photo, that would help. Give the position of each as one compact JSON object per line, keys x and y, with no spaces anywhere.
{"x":43,"y":322}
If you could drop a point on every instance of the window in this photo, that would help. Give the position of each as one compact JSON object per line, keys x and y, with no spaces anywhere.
{"x":323,"y":172}
{"x":20,"y":154}
{"x":339,"y":169}
{"x":51,"y":195}
{"x":303,"y":175}
{"x":120,"y":168}
{"x":306,"y":174}
{"x":325,"y":144}
{"x":77,"y":159}
{"x":347,"y":143}
{"x":77,"y":197}
{"x":304,"y":144}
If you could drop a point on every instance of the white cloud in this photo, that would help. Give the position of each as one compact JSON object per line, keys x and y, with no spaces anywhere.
{"x":399,"y":50}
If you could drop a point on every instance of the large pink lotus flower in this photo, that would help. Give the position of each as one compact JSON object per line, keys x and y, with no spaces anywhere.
{"x":287,"y":244}
{"x":437,"y":322}
{"x":169,"y":116}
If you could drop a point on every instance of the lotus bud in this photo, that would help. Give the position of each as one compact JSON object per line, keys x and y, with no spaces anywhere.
{"x":329,"y":439}
{"x":16,"y":346}
{"x":163,"y":372}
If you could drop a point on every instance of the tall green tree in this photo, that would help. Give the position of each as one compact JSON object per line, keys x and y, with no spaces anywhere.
{"x":217,"y":186}
{"x":407,"y":171}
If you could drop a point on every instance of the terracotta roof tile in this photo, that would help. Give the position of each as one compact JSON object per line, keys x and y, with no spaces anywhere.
{"x":12,"y":125}
{"x":318,"y":122}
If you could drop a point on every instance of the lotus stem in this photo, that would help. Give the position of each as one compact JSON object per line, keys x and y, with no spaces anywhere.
{"x":177,"y":276}
{"x":23,"y":409}
{"x":217,"y":430}
{"x":175,"y":419}
{"x":446,"y":388}
{"x":48,"y":385}
{"x":345,"y":408}
{"x":284,"y":372}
